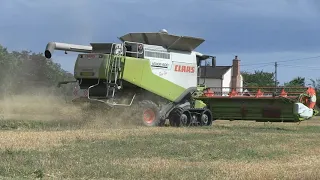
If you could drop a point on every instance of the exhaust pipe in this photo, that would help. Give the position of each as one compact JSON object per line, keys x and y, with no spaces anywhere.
{"x":51,"y":46}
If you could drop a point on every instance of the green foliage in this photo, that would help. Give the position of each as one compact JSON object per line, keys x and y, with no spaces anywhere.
{"x":315,"y":83}
{"x":296,"y":82}
{"x":295,"y":85}
{"x":258,"y":79}
{"x":24,"y":71}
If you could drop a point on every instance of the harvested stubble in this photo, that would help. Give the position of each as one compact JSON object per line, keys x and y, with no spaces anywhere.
{"x":227,"y":150}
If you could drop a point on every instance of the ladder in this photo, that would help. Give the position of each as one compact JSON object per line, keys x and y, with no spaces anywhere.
{"x":113,"y":73}
{"x":113,"y":66}
{"x":113,"y":69}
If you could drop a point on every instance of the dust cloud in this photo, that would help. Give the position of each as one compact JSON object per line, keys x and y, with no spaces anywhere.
{"x":37,"y":104}
{"x":43,"y":105}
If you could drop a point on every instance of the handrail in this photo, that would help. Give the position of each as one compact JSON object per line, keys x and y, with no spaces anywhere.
{"x":133,"y":52}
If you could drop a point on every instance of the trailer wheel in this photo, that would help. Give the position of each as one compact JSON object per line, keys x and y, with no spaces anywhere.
{"x":150,"y":113}
{"x":206,"y":118}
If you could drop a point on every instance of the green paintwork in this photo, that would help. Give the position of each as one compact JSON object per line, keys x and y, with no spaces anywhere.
{"x":199,"y":104}
{"x":103,"y":65}
{"x":201,"y":87}
{"x":138,"y":72}
{"x":225,"y":108}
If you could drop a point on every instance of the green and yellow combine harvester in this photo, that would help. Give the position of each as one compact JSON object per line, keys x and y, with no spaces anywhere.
{"x":159,"y":72}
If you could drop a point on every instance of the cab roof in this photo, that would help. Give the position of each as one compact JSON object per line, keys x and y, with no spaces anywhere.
{"x":168,"y":41}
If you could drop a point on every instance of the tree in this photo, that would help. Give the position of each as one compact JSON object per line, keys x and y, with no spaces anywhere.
{"x":25,"y":70}
{"x":296,"y":82}
{"x":258,"y":79}
{"x":315,"y":84}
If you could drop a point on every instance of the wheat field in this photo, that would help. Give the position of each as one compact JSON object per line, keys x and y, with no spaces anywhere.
{"x":70,"y":147}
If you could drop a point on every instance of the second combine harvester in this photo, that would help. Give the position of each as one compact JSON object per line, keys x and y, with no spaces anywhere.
{"x":159,"y":71}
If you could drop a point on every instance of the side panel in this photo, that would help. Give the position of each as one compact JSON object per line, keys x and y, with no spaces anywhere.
{"x":138,"y":72}
{"x":177,"y":67}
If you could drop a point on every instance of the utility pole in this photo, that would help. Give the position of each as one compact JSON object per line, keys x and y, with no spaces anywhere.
{"x":275,"y":76}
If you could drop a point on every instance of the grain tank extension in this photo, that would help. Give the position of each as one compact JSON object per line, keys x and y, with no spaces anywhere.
{"x":158,"y":73}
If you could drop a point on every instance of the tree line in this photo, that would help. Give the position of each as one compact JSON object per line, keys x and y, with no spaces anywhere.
{"x":267,"y":79}
{"x":261,"y":78}
{"x":26,"y":71}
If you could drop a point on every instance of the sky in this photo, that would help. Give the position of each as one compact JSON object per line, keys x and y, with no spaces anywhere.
{"x":259,"y":32}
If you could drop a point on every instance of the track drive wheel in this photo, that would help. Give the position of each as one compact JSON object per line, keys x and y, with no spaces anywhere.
{"x":180,"y":117}
{"x":150,"y":113}
{"x":206,"y":118}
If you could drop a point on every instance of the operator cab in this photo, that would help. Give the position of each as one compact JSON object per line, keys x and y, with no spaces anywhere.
{"x":203,"y":57}
{"x":133,"y":49}
{"x":130,"y":49}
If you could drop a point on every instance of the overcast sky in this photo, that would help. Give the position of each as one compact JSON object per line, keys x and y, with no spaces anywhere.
{"x":258,"y":31}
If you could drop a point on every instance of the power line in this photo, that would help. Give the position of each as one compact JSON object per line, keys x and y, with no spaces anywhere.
{"x":300,"y":66}
{"x":289,"y":60}
{"x":258,"y":67}
{"x":285,"y":66}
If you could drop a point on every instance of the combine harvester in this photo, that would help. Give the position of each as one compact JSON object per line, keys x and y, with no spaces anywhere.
{"x":159,"y":73}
